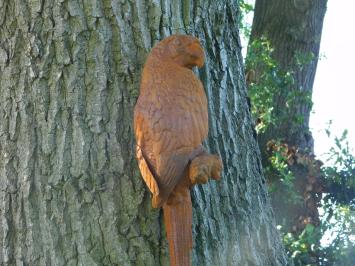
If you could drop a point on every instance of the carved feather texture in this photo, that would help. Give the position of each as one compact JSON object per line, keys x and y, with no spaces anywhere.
{"x":170,"y":120}
{"x":170,"y":123}
{"x":178,"y":225}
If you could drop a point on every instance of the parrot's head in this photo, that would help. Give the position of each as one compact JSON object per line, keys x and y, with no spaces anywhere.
{"x":184,"y":50}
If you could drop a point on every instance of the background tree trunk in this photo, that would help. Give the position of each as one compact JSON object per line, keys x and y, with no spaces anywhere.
{"x":70,"y":190}
{"x":294,"y":29}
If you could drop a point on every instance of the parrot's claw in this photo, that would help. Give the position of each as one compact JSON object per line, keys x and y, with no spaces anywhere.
{"x":204,"y":167}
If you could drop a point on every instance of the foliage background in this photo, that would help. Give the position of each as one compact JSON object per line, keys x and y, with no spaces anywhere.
{"x":333,"y":242}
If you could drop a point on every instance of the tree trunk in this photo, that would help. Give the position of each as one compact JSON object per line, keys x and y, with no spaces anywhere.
{"x":293,"y":28}
{"x":70,"y":189}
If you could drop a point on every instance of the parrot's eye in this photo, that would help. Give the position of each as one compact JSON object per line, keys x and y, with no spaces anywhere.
{"x":177,"y":42}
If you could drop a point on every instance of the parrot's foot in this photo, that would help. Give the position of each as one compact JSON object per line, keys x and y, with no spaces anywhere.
{"x":204,"y":167}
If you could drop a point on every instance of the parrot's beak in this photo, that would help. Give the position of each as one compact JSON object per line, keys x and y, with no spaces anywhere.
{"x":196,"y":52}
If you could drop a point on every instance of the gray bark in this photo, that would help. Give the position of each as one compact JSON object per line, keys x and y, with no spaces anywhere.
{"x":70,"y":189}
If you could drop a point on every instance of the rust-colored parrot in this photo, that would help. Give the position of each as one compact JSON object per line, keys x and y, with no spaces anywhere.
{"x":170,"y":123}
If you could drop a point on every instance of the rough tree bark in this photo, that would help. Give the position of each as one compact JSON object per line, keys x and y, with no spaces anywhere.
{"x":70,"y":190}
{"x":294,"y":29}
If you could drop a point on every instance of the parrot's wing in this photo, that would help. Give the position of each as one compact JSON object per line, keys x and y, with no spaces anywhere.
{"x":179,"y":125}
{"x":144,"y":165}
{"x":146,"y":172}
{"x":171,"y":114}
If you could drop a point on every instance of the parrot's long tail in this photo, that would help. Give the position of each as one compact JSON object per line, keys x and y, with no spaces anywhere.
{"x":178,"y":223}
